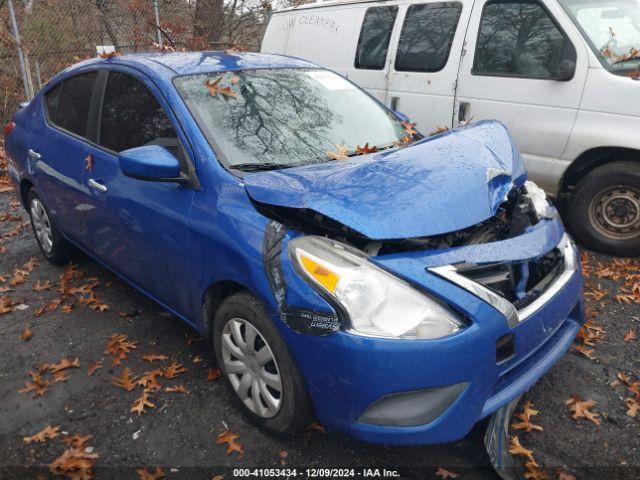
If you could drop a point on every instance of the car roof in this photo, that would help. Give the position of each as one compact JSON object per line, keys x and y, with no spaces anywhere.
{"x":185,"y":63}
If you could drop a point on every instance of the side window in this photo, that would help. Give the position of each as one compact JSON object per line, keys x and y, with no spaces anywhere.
{"x":132,"y":117}
{"x":51,"y":102}
{"x":518,"y":39}
{"x":426,"y":37}
{"x":374,"y":37}
{"x":70,"y":106}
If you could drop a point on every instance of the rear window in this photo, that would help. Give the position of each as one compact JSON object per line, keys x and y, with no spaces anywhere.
{"x":374,"y":37}
{"x":68,"y":104}
{"x":426,"y":37}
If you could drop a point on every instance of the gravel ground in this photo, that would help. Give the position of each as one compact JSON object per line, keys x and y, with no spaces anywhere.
{"x":180,"y":433}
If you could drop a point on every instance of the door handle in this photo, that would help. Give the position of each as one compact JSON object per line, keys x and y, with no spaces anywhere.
{"x":97,"y":185}
{"x":462,"y":111}
{"x":394,"y":103}
{"x":33,"y":155}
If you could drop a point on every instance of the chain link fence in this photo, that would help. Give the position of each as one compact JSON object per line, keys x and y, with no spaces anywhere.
{"x":38,"y":38}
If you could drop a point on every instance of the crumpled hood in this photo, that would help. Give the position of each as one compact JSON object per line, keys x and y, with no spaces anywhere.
{"x":438,"y":185}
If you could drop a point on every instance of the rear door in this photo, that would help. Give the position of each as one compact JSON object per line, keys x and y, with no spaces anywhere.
{"x":425,"y":62}
{"x":139,"y":227}
{"x":371,"y":63}
{"x":516,"y":54}
{"x":59,"y":148}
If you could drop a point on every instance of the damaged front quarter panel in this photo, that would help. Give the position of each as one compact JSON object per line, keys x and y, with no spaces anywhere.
{"x":306,"y":320}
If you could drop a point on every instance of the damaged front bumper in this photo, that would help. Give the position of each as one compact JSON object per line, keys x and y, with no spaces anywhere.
{"x":398,"y":391}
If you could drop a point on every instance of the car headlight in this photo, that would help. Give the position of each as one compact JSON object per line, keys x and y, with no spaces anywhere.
{"x":377,"y":303}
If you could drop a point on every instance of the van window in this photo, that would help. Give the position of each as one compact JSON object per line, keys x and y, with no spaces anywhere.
{"x":69,"y":108}
{"x":518,"y":39}
{"x":426,"y":37}
{"x":374,"y":37}
{"x":132,"y":117}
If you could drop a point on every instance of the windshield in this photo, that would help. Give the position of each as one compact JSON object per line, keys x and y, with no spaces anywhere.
{"x":288,"y":117}
{"x":613,"y":29}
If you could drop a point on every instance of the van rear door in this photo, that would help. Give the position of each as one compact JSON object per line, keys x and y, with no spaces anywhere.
{"x":526,"y":65}
{"x":425,"y":61}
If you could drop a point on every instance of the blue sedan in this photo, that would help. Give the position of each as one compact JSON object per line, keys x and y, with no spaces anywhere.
{"x":341,"y":265}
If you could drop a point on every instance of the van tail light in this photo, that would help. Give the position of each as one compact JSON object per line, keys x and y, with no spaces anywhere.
{"x":9,"y":128}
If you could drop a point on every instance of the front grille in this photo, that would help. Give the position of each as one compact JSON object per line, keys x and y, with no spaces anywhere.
{"x":519,"y":282}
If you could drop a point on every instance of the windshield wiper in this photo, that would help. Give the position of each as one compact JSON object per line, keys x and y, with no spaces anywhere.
{"x":261,"y":167}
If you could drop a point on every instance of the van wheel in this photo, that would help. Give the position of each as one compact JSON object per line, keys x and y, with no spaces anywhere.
{"x":604,"y":210}
{"x":258,"y":367}
{"x":52,"y":244}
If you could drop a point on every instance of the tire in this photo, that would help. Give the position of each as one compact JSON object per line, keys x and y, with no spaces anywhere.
{"x":604,"y":210}
{"x":52,"y":244}
{"x":294,"y":411}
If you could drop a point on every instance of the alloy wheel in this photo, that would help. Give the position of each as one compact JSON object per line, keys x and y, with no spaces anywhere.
{"x":42,"y":225}
{"x":251,"y":368}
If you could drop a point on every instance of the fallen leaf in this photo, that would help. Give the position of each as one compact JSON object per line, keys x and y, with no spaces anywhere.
{"x":444,"y":474}
{"x":77,"y":440}
{"x":45,"y":434}
{"x":197,"y":359}
{"x":213,"y":374}
{"x":341,"y":153}
{"x":580,"y":409}
{"x":125,"y":380}
{"x":141,"y":402}
{"x":26,"y":333}
{"x":534,"y":472}
{"x":149,"y":380}
{"x":75,"y":464}
{"x":173,"y":370}
{"x":230,"y":438}
{"x":366,"y":149}
{"x":516,"y":448}
{"x":564,"y":475}
{"x":64,"y":364}
{"x":409,"y":128}
{"x":41,"y":286}
{"x":60,"y":376}
{"x":88,"y":163}
{"x":630,"y":336}
{"x":178,"y":389}
{"x":93,"y":367}
{"x":144,"y":474}
{"x":525,"y":417}
{"x":633,"y":407}
{"x":152,"y":357}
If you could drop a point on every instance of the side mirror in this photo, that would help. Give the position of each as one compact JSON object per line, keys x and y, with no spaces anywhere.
{"x":565,"y":70}
{"x":150,"y":162}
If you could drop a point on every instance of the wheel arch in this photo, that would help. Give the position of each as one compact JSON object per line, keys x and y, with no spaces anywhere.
{"x":214,"y":295}
{"x":25,"y":186}
{"x":592,"y":158}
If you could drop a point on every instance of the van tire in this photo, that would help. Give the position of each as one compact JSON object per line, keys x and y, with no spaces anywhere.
{"x":604,"y":209}
{"x":295,"y":411}
{"x":60,"y":251}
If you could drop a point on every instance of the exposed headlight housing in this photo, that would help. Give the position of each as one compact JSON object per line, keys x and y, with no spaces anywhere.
{"x":377,"y":303}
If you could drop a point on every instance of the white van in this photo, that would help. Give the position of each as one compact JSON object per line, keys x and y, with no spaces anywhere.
{"x":562,"y":74}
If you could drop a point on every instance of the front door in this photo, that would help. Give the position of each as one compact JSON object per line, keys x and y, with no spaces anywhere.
{"x":425,"y":62}
{"x":139,"y":227}
{"x":526,"y":66}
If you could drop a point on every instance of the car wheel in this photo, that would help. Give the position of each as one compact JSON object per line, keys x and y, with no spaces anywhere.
{"x":258,"y":367}
{"x":604,"y":210}
{"x":52,"y":245}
